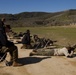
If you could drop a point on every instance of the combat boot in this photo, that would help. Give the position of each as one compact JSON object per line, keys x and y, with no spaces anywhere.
{"x":32,"y":53}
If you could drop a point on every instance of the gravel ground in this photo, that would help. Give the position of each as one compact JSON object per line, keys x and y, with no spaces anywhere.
{"x":39,"y":65}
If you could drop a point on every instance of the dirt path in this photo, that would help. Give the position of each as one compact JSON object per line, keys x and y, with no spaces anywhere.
{"x":40,"y":65}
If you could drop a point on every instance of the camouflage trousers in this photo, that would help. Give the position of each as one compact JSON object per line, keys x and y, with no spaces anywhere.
{"x":45,"y":52}
{"x":13,"y":51}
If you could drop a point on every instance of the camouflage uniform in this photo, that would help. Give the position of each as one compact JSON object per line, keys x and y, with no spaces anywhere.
{"x":3,"y":37}
{"x":41,"y":42}
{"x":12,"y":50}
{"x":26,"y":40}
{"x":65,"y":51}
{"x":45,"y":52}
{"x":38,"y":42}
{"x":5,"y":45}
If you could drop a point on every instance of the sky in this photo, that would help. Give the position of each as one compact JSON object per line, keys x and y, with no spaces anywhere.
{"x":18,"y":6}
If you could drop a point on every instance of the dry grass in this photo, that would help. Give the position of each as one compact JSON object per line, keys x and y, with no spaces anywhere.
{"x":63,"y":35}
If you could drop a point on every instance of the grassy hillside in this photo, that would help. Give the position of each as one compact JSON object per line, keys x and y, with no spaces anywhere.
{"x":41,"y":18}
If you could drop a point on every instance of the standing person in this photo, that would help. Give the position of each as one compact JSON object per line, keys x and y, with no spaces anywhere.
{"x":26,"y":40}
{"x":3,"y":37}
{"x":7,"y":46}
{"x":67,"y":51}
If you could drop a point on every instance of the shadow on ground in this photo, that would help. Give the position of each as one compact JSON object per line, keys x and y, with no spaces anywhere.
{"x":31,"y":60}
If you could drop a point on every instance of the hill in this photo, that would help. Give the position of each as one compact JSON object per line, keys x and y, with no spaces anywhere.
{"x":41,"y":18}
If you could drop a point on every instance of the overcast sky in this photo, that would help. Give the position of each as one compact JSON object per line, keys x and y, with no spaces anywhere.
{"x":18,"y":6}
